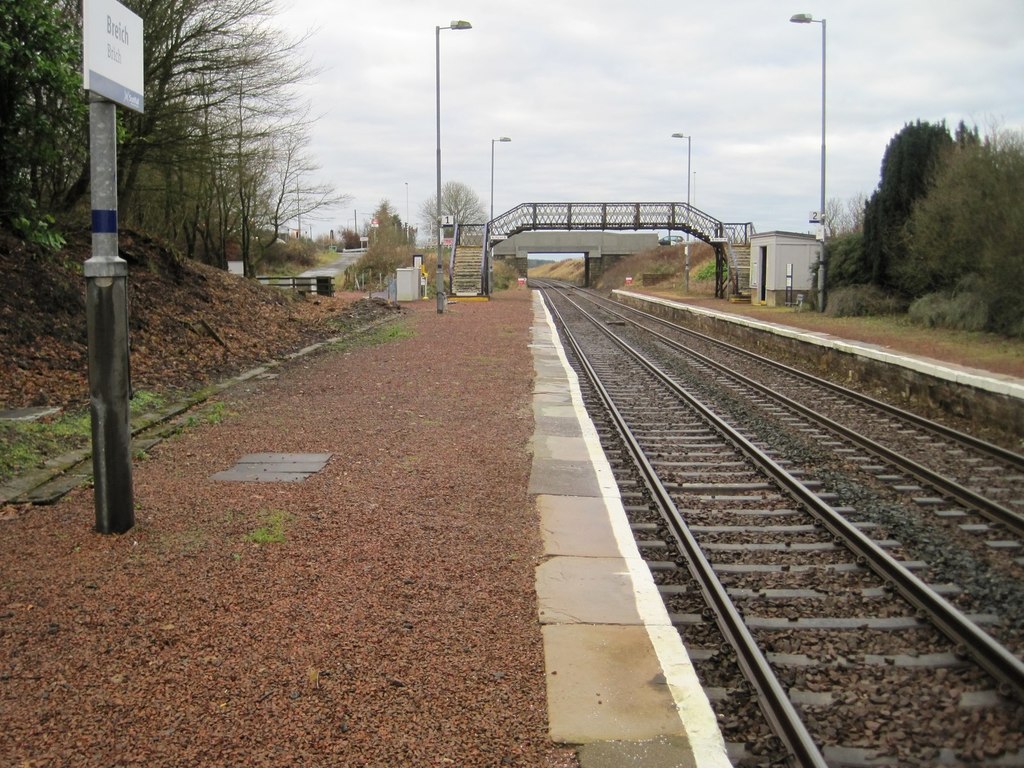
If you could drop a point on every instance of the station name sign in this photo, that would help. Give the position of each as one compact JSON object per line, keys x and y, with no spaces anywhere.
{"x":112,"y":58}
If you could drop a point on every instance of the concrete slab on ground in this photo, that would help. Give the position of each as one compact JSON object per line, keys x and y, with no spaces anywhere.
{"x":575,"y":525}
{"x":274,"y":467}
{"x":600,"y":688}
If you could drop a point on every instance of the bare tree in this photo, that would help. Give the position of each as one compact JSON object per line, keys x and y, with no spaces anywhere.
{"x":223,"y":131}
{"x":293,"y":190}
{"x":845,"y":216}
{"x":457,"y":200}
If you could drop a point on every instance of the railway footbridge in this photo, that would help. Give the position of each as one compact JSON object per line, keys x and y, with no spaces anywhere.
{"x":587,"y":228}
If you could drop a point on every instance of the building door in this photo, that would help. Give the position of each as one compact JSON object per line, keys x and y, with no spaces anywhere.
{"x":764,"y":274}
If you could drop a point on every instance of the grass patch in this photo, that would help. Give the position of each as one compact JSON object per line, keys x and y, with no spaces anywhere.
{"x":272,"y":529}
{"x":25,"y":445}
{"x":144,"y":401}
{"x":381,"y":334}
{"x":211,"y":413}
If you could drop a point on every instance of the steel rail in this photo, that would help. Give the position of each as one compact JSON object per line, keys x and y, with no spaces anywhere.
{"x":987,"y":507}
{"x":775,"y":703}
{"x":998,"y":661}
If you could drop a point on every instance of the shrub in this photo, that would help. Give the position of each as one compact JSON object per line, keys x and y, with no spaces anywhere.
{"x":503,"y":275}
{"x":846,"y":261}
{"x":861,"y":301}
{"x":283,"y":255}
{"x":706,"y":271}
{"x":379,"y":263}
{"x":965,"y":309}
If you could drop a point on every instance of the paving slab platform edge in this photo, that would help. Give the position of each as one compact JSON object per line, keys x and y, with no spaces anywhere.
{"x":620,"y":683}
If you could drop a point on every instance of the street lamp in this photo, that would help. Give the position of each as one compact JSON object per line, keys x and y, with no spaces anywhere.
{"x":686,"y":248}
{"x":437,"y":82}
{"x":407,"y":228}
{"x":688,"y":138}
{"x":682,"y":136}
{"x":806,"y":18}
{"x":493,"y":141}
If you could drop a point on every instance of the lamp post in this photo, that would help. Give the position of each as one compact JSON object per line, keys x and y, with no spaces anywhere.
{"x":686,"y":248}
{"x":437,"y":82}
{"x":493,"y":141}
{"x":682,"y":136}
{"x":806,"y":18}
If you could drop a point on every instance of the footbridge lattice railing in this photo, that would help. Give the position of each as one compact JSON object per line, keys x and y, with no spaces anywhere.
{"x":681,"y":217}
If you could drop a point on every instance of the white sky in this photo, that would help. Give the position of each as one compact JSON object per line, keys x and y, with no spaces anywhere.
{"x":590,"y":92}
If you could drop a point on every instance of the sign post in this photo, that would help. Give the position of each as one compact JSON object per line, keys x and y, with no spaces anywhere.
{"x":113,"y":74}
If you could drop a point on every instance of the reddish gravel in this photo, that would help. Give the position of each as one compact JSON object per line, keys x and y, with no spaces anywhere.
{"x":394,"y":625}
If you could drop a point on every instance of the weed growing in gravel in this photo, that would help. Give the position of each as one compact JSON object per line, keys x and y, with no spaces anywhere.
{"x":216,"y":412}
{"x":272,"y":530}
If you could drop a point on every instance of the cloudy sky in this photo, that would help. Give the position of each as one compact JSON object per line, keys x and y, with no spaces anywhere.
{"x":591,"y":91}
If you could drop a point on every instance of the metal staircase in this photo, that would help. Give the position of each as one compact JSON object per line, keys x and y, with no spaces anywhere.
{"x":467,"y":271}
{"x":739,"y":271}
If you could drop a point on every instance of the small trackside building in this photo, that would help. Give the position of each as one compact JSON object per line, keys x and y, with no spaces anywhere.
{"x":782,"y":266}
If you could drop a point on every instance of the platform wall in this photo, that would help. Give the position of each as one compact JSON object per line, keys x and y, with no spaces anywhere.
{"x":987,"y":412}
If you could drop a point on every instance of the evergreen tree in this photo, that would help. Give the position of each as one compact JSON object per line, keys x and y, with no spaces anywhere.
{"x":965,"y":235}
{"x":908,"y":167}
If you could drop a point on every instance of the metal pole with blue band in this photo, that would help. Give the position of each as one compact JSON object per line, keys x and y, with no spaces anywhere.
{"x":112,"y":57}
{"x":106,"y":296}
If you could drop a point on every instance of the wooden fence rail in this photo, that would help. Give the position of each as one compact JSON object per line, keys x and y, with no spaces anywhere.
{"x":322,"y":285}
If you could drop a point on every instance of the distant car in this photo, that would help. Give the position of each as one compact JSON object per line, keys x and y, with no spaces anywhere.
{"x":670,"y":240}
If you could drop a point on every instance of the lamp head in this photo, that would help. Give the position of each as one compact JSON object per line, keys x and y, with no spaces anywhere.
{"x":460,"y":25}
{"x":503,"y":138}
{"x":679,"y":136}
{"x":801,"y":18}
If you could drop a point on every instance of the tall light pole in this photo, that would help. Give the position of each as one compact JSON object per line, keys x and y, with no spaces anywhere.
{"x":493,"y":141}
{"x":439,"y":286}
{"x":407,"y":227}
{"x":682,"y":136}
{"x":806,"y":18}
{"x":686,"y":248}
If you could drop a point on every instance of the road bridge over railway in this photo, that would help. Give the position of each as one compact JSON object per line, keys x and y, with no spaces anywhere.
{"x":548,"y":224}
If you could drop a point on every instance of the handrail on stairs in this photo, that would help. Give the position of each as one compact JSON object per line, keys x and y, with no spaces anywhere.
{"x":451,"y":258}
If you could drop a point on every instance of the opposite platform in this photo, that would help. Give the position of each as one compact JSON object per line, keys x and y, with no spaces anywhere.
{"x":985,"y":381}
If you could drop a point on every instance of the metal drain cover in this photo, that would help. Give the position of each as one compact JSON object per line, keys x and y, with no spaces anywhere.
{"x":274,"y":467}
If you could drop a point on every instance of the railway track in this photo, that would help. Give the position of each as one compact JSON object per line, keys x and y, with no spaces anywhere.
{"x":850,"y":596}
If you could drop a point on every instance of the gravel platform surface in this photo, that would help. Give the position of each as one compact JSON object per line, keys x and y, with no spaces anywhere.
{"x":380,"y":613}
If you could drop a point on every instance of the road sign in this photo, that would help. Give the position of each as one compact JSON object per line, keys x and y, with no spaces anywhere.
{"x":112,"y":53}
